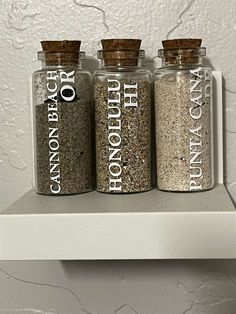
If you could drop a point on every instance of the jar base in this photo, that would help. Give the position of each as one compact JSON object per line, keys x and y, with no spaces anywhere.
{"x":64,"y":194}
{"x":185,"y":191}
{"x":125,"y":193}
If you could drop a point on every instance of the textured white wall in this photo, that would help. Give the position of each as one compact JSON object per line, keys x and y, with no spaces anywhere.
{"x":24,"y":23}
{"x":164,"y":287}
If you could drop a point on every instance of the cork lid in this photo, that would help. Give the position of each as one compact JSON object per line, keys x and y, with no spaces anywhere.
{"x":182,"y":43}
{"x":182,"y":50}
{"x":60,"y":52}
{"x":121,"y":44}
{"x":121,"y":51}
{"x":61,"y":45}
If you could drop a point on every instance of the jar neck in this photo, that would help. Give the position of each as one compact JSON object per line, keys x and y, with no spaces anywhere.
{"x":167,"y":62}
{"x":58,"y":64}
{"x":121,"y":64}
{"x":182,"y":56}
{"x":61,"y":59}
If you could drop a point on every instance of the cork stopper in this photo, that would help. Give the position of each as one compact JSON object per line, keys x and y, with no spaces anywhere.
{"x":121,"y":44}
{"x":182,"y":50}
{"x":185,"y":43}
{"x":121,"y":52}
{"x":61,"y":45}
{"x":56,"y":52}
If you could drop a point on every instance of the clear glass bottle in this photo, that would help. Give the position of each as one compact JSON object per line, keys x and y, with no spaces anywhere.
{"x":122,"y":92}
{"x":62,"y":120}
{"x":184,"y":117}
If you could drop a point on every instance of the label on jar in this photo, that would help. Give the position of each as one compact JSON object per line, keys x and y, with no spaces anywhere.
{"x":115,"y":89}
{"x":200,"y":128}
{"x":60,"y":88}
{"x":123,"y":134}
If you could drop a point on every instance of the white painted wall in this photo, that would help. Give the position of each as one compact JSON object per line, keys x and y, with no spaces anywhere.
{"x":151,"y":287}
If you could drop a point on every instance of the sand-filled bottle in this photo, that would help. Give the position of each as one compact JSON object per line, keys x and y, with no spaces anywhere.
{"x":184,"y":117}
{"x":62,"y":120}
{"x":122,"y":93}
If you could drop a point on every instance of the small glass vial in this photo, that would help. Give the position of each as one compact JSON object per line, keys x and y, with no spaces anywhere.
{"x":184,"y":117}
{"x":62,"y":120}
{"x":122,"y":92}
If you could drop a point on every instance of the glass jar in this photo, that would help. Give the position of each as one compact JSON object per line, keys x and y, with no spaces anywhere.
{"x":122,"y":92}
{"x":62,"y":120}
{"x":184,"y":117}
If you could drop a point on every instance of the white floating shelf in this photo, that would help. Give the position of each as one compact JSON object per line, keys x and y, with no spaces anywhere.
{"x":151,"y":225}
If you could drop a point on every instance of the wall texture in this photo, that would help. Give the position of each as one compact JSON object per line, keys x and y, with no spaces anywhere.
{"x":164,"y":287}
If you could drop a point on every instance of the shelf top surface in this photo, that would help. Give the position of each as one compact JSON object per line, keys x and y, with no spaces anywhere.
{"x":215,"y":200}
